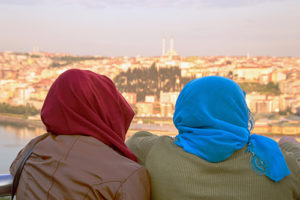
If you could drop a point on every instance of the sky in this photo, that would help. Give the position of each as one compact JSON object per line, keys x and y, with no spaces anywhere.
{"x":136,"y":27}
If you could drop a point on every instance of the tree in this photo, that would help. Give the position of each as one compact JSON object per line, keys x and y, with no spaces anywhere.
{"x":151,"y":81}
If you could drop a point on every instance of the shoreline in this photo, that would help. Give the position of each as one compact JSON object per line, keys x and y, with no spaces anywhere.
{"x":18,"y":120}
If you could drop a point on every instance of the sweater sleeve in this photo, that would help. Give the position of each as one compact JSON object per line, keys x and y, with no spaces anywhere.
{"x":293,"y":148}
{"x":140,"y":144}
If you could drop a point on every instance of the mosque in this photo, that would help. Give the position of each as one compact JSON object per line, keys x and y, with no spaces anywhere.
{"x":171,"y":53}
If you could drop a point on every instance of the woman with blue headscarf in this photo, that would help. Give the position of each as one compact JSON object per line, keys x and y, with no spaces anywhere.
{"x":214,"y":156}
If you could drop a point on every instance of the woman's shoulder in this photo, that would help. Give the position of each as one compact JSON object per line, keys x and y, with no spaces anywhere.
{"x":291,"y":152}
{"x":142,"y":142}
{"x":141,"y":137}
{"x":145,"y":139}
{"x":143,"y":134}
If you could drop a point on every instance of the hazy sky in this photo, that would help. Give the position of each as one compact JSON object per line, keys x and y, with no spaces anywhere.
{"x":136,"y":27}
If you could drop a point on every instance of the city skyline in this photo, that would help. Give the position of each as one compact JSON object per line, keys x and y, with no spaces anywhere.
{"x":132,"y":28}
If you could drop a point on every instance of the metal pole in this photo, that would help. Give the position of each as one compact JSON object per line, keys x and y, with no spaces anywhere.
{"x":6,"y":181}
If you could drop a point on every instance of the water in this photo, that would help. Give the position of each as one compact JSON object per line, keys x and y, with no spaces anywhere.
{"x":12,"y":140}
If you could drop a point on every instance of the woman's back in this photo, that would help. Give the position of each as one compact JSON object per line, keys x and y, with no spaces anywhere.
{"x":79,"y":167}
{"x":176,"y":174}
{"x":84,"y":156}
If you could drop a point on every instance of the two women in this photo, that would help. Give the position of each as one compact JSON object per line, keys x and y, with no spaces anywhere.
{"x":83,"y":155}
{"x":214,"y":156}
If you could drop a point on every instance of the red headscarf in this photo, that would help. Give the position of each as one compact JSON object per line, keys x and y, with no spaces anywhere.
{"x":81,"y":102}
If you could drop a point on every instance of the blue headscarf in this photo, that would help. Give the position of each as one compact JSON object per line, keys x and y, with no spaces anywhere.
{"x":212,"y":119}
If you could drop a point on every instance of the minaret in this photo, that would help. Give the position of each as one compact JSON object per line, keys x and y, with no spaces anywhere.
{"x":35,"y":49}
{"x":163,"y":46}
{"x":171,"y":44}
{"x":248,"y":55}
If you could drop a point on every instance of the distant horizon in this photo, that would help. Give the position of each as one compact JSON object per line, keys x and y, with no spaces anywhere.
{"x":101,"y":56}
{"x":136,"y":27}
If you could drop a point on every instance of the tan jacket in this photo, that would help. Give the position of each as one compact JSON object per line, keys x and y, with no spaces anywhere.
{"x":79,"y":167}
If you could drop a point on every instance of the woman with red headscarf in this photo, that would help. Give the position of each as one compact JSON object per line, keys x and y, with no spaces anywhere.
{"x":83,"y":155}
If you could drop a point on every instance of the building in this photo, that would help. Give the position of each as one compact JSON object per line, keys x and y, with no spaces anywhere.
{"x":130,"y":97}
{"x":167,"y":109}
{"x":261,"y":103}
{"x":145,"y":109}
{"x":168,"y":97}
{"x":150,"y":99}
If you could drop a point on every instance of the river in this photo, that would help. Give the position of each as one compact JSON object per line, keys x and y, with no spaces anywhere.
{"x":14,"y":137}
{"x":12,"y":140}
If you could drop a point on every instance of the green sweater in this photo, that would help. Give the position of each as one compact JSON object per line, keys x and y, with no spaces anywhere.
{"x":176,"y":174}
